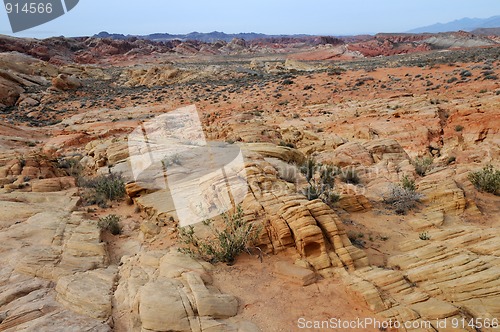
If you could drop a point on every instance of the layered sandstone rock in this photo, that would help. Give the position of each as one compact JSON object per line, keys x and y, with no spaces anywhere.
{"x":165,"y":290}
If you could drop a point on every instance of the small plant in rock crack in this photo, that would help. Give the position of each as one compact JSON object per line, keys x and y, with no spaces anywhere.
{"x":408,"y":183}
{"x":321,"y":181}
{"x":424,"y":236}
{"x":403,"y":197}
{"x":71,"y":165}
{"x":110,"y":223}
{"x":422,"y":165}
{"x":223,"y":244}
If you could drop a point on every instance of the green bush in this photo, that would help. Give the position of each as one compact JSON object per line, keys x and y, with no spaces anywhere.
{"x":102,"y":188}
{"x":424,"y":236}
{"x":308,"y":169}
{"x":223,"y":245}
{"x":110,"y":223}
{"x":408,"y":183}
{"x":487,"y":179}
{"x":422,"y":165}
{"x":321,"y":181}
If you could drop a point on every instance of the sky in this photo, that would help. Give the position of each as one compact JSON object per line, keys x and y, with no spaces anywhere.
{"x":315,"y":17}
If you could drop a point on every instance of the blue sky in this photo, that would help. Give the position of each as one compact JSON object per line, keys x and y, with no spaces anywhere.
{"x":326,"y":17}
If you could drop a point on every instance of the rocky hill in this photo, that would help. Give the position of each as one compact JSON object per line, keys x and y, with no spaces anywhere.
{"x":88,"y":50}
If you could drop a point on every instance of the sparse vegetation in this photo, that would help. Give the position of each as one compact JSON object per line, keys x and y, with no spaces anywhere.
{"x":321,"y":180}
{"x":465,"y":73}
{"x":336,"y":71}
{"x":22,"y":161}
{"x":459,"y":128}
{"x":71,"y":165}
{"x":422,"y":165}
{"x":110,"y":223}
{"x":223,"y":245}
{"x":403,"y":197}
{"x":492,"y":77}
{"x":356,"y":239}
{"x":101,"y":189}
{"x":408,"y":183}
{"x":424,"y":236}
{"x":487,"y":179}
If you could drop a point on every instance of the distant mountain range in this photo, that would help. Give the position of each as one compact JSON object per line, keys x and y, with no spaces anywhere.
{"x":465,"y":24}
{"x":208,"y":37}
{"x":476,"y":25}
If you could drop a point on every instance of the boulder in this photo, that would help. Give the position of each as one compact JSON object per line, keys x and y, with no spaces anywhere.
{"x":66,"y":82}
{"x":294,"y":273}
{"x":162,"y":308}
{"x":88,"y":293}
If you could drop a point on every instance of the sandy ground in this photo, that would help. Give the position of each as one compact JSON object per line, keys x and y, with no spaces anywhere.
{"x":277,"y":305}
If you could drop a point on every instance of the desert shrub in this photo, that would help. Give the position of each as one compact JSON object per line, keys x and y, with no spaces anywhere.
{"x":356,"y":239}
{"x":91,"y":197}
{"x":335,"y":71}
{"x":451,"y":80}
{"x":459,"y":128}
{"x":408,"y":183}
{"x":350,"y":176}
{"x":492,"y":77}
{"x":465,"y":73}
{"x":72,"y":166}
{"x":424,"y":236}
{"x":487,"y":179}
{"x":223,"y":245}
{"x":451,"y":159}
{"x":330,"y":197}
{"x":313,"y":191}
{"x":22,"y":161}
{"x":422,"y":165}
{"x":110,"y":223}
{"x":402,"y":199}
{"x":321,"y":181}
{"x":102,"y":188}
{"x":308,"y":168}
